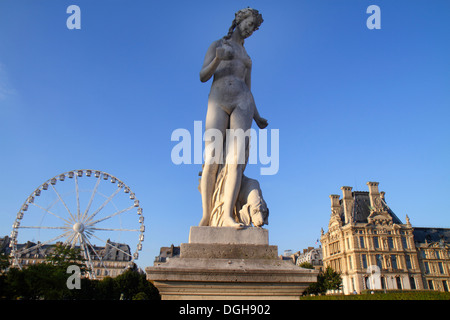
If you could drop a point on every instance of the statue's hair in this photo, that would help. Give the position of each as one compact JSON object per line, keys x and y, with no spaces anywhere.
{"x":241,"y":15}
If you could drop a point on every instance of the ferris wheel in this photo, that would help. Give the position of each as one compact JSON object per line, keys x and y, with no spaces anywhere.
{"x":86,"y":209}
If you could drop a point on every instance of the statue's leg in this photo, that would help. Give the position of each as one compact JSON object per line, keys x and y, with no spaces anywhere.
{"x":240,"y":121}
{"x":216,"y":119}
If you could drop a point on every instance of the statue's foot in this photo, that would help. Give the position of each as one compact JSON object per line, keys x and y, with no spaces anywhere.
{"x":204,"y":222}
{"x":231,"y":223}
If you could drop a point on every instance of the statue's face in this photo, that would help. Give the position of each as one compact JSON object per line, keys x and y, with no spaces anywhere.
{"x":247,"y":26}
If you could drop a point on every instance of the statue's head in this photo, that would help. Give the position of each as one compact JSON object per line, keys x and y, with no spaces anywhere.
{"x":248,"y":20}
{"x":243,"y":14}
{"x":256,"y":214}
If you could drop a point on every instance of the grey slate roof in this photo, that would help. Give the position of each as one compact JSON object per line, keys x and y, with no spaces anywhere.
{"x":361,"y":208}
{"x":431,"y":235}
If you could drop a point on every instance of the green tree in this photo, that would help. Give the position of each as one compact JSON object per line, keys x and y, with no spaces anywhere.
{"x":306,"y":265}
{"x":131,"y":283}
{"x":38,"y":281}
{"x":64,"y":256}
{"x":15,"y":286}
{"x":47,"y":280}
{"x":4,"y":262}
{"x":332,"y":280}
{"x":107,"y":289}
{"x":327,"y":280}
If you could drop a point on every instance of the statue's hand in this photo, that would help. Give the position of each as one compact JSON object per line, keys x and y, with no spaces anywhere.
{"x":261,"y":122}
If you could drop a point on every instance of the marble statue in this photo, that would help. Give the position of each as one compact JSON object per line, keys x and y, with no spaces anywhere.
{"x":231,"y":106}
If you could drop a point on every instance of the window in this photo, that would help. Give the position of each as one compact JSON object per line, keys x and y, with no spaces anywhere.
{"x":408,"y":262}
{"x":412,"y":283}
{"x":383,"y":283}
{"x":376,"y":244}
{"x":441,"y":267}
{"x":423,"y":254}
{"x":350,"y":266}
{"x":404,"y":243}
{"x":438,"y":256}
{"x":379,"y":261}
{"x":361,"y":242}
{"x":364,"y":261}
{"x":394,"y":262}
{"x":430,"y":285}
{"x":366,"y":282}
{"x":427,"y":267}
{"x":399,"y":283}
{"x":445,"y":285}
{"x":390,"y":243}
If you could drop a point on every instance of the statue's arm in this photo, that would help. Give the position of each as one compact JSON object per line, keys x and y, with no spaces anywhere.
{"x":210,"y":63}
{"x":261,"y":122}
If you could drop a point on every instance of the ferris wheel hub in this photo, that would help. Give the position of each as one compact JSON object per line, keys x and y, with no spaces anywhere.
{"x":78,"y":227}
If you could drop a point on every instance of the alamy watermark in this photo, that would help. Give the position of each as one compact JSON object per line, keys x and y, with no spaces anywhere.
{"x":191,"y":150}
{"x":74,"y":280}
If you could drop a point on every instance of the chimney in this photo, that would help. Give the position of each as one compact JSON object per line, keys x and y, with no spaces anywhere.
{"x":348,"y":203}
{"x":375,"y":197}
{"x":335,"y":206}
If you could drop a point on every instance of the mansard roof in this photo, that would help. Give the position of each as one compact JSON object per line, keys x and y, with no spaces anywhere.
{"x":422,"y":235}
{"x":361,"y":208}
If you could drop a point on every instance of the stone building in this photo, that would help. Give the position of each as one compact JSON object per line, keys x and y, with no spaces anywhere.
{"x":432,"y":246}
{"x":374,"y":249}
{"x":167,"y":253}
{"x":310,"y":255}
{"x":115,"y":257}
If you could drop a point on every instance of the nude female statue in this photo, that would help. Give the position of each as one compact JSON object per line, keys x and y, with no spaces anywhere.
{"x":230,"y":106}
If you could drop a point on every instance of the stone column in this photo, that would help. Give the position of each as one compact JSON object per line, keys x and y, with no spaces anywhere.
{"x":348,"y":203}
{"x":375,"y":197}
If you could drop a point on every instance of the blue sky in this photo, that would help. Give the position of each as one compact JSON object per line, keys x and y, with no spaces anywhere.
{"x":351,"y":105}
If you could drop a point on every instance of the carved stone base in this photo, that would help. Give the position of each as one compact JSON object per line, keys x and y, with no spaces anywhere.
{"x":229,"y":264}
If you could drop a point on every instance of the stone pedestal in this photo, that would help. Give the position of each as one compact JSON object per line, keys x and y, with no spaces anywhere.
{"x":229,"y":264}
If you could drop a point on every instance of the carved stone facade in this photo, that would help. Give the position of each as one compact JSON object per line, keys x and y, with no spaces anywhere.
{"x":373,"y":249}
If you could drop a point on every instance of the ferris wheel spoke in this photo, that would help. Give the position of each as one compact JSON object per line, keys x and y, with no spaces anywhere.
{"x":62,"y":201}
{"x":87,"y":254}
{"x":88,"y":233}
{"x":74,"y":240}
{"x":42,"y":227}
{"x":109,"y":244}
{"x":94,"y":192}
{"x":107,"y":229}
{"x":95,"y":251}
{"x":51,"y":206}
{"x":110,"y":216}
{"x":43,"y":243}
{"x":102,"y":206}
{"x":78,"y":198}
{"x":48,"y":211}
{"x":69,"y":240}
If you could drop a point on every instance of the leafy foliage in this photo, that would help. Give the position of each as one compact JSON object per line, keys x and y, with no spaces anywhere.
{"x":48,"y":281}
{"x":327,"y":280}
{"x":306,"y":265}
